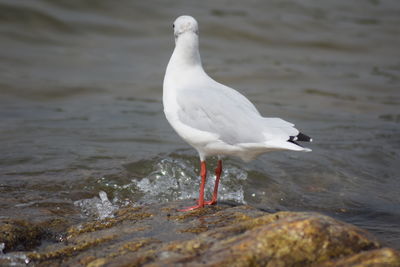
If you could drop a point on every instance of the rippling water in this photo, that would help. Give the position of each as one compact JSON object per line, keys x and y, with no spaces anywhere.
{"x":81,"y":112}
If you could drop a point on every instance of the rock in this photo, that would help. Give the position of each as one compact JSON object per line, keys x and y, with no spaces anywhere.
{"x":19,"y":234}
{"x":281,"y":239}
{"x":375,"y":257}
{"x":222,"y":235}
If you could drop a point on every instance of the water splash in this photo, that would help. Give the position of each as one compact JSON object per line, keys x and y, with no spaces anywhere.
{"x":176,"y":179}
{"x":99,"y":207}
{"x":168,"y":179}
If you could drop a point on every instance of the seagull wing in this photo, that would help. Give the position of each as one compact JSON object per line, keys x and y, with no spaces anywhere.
{"x":220,"y":110}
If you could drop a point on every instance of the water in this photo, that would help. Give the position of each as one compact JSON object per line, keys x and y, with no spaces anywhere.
{"x":81,"y":112}
{"x":100,"y":208}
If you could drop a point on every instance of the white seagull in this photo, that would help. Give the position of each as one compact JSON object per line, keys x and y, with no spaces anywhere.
{"x":213,"y":118}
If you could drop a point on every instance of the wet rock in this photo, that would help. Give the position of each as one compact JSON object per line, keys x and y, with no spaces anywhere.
{"x":222,"y":235}
{"x":281,"y":239}
{"x":375,"y":257}
{"x":19,"y":234}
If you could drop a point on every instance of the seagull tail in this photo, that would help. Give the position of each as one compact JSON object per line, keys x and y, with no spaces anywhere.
{"x":300,"y":138}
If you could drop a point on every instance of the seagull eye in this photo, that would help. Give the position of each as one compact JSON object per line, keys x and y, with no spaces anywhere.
{"x":173,"y":26}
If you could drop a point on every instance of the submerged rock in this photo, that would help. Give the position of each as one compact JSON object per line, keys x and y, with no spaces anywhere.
{"x":222,"y":235}
{"x":19,"y":234}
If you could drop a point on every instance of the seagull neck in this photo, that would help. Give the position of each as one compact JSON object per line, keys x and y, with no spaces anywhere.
{"x":186,"y":53}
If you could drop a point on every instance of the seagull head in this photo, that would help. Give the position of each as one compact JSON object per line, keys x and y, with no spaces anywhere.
{"x":186,"y":52}
{"x":185,"y":24}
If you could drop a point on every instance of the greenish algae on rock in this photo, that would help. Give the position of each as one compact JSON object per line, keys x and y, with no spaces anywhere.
{"x":57,"y":252}
{"x":222,"y":235}
{"x":127,"y":214}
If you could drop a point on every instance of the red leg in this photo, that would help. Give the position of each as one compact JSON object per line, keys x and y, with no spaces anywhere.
{"x":218,"y":172}
{"x":200,"y":203}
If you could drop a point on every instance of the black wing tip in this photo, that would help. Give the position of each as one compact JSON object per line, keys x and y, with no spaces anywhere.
{"x":301,"y":138}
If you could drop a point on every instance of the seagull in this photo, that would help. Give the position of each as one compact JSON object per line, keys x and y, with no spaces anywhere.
{"x":215,"y":119}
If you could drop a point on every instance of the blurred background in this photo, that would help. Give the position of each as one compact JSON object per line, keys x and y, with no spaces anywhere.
{"x":81,"y":109}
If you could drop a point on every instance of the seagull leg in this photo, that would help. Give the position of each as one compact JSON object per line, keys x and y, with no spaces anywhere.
{"x":203,"y":174}
{"x":218,"y":172}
